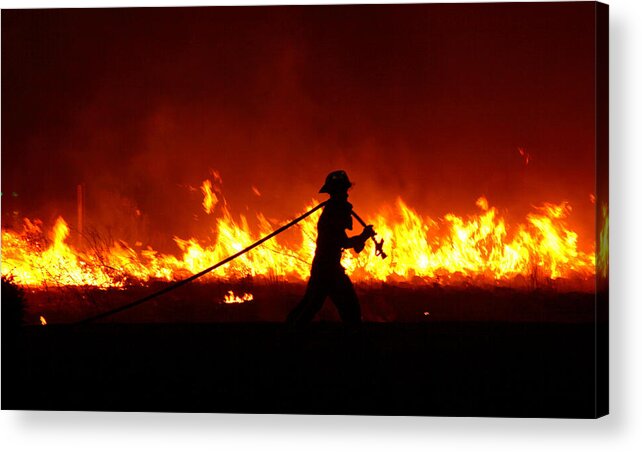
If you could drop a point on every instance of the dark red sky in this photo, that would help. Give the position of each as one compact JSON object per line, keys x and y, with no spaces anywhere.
{"x":430,"y":102}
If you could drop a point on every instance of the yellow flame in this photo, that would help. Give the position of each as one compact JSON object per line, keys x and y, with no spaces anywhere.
{"x":43,"y":321}
{"x":209,"y":198}
{"x":480,"y":246}
{"x":231,"y":298}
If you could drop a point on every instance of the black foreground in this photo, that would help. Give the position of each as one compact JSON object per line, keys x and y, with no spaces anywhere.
{"x":440,"y":369}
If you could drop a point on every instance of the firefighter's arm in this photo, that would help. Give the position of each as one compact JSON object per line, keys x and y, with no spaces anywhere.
{"x":358,"y":242}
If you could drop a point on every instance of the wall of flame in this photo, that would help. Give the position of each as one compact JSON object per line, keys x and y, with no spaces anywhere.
{"x":481,"y":248}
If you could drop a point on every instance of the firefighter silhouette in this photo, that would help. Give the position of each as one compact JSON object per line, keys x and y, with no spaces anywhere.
{"x":327,"y":276}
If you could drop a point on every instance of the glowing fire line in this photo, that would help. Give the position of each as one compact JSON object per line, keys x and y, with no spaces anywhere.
{"x":480,"y":246}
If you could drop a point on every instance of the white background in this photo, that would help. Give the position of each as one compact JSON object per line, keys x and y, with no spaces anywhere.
{"x":621,"y":430}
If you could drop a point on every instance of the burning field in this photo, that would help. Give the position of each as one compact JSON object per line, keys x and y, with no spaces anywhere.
{"x":454,"y":268}
{"x":143,"y":146}
{"x":478,"y":250}
{"x":473,"y":178}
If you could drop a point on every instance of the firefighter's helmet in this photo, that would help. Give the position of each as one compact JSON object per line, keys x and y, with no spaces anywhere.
{"x":336,"y":181}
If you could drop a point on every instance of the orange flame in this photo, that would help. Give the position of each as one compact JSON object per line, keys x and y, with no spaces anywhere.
{"x":231,"y":298}
{"x":209,"y":198}
{"x":481,"y":247}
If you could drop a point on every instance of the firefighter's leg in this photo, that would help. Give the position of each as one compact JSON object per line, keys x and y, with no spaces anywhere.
{"x":344,"y":297}
{"x":311,"y":303}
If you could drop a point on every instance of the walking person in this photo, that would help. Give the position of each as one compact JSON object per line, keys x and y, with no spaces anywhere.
{"x":327,"y":276}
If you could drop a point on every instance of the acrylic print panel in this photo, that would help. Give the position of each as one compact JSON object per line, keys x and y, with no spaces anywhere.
{"x":456,"y":265}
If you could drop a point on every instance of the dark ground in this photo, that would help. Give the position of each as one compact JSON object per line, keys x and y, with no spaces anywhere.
{"x":446,"y":369}
{"x":380,"y":302}
{"x":422,"y":351}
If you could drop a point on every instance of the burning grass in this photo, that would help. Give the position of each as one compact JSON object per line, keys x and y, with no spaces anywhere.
{"x":480,"y":248}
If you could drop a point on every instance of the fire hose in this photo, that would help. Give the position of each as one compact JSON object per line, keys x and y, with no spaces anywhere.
{"x":177,"y":284}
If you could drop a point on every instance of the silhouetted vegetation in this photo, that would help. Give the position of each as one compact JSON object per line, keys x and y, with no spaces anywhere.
{"x":13,"y":305}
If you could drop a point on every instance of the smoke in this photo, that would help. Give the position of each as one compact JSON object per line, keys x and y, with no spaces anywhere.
{"x":430,"y":103}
